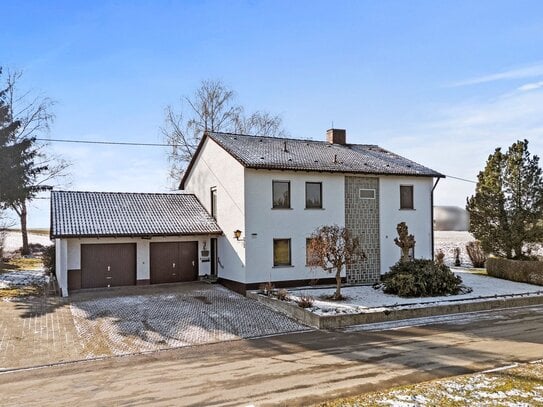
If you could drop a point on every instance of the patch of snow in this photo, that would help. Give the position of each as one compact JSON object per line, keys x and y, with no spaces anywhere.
{"x":361,"y":299}
{"x":14,"y":240}
{"x":23,"y":278}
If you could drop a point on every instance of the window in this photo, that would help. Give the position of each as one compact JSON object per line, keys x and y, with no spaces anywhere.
{"x":281,"y":194}
{"x":366,"y":193}
{"x":310,"y":258}
{"x":406,"y":197}
{"x":281,"y":252}
{"x":313,"y":195}
{"x":214,"y":202}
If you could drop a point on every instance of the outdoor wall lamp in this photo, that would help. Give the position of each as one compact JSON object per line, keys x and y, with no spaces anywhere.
{"x":237,"y":234}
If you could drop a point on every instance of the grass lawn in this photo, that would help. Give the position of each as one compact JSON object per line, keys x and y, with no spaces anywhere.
{"x":519,"y":385}
{"x":22,"y":264}
{"x":18,"y":264}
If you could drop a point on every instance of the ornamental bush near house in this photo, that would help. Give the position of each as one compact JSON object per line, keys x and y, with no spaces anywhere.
{"x":476,"y":254}
{"x":422,"y":278}
{"x":48,"y":258}
{"x":305,"y":301}
{"x":523,"y":271}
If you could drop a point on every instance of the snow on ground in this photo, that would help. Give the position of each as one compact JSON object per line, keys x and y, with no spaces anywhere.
{"x":14,"y":240}
{"x":23,"y":278}
{"x":447,"y":241}
{"x":362,"y":299}
{"x":517,"y":385}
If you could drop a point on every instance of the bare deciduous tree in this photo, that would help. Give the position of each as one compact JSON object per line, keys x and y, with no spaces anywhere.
{"x":211,"y":108}
{"x":332,"y":248}
{"x":33,"y":117}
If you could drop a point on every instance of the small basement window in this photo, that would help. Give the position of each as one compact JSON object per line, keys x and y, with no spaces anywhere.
{"x":366,"y":193}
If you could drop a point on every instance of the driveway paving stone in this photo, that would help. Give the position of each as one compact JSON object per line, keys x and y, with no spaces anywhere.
{"x":140,"y":319}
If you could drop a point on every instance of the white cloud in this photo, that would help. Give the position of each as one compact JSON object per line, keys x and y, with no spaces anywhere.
{"x":461,"y":137}
{"x":516,"y":73}
{"x":531,"y":86}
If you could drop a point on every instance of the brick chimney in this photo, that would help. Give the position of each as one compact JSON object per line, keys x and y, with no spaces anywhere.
{"x":336,"y":136}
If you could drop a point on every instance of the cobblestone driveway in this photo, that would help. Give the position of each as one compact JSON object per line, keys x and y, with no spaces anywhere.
{"x":139,"y":319}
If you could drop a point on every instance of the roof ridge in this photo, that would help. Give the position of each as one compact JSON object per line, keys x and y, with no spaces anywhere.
{"x":121,"y":192}
{"x":211,"y":133}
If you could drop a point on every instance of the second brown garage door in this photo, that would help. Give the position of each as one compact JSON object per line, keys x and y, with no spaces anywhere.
{"x":173,"y":262}
{"x":108,"y":265}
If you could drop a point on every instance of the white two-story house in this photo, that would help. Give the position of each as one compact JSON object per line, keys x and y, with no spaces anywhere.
{"x":247,"y":207}
{"x":269,"y":194}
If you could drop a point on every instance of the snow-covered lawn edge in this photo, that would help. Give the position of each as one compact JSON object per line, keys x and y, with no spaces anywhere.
{"x":368,"y":305}
{"x":366,"y":299}
{"x":515,"y":385}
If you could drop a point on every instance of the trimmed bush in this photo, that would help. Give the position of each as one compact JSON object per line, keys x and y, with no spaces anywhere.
{"x":422,"y":278}
{"x":523,"y":271}
{"x":48,"y":258}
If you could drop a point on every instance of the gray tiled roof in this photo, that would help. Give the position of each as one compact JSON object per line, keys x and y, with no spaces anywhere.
{"x":101,"y":214}
{"x":310,"y":155}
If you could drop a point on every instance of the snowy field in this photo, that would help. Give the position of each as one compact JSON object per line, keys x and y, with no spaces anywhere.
{"x":361,"y":299}
{"x":14,"y":241}
{"x":447,"y":241}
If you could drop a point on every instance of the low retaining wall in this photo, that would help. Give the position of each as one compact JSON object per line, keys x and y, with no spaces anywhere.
{"x":530,"y":272}
{"x":342,"y":320}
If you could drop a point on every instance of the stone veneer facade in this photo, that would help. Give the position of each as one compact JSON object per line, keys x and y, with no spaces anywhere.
{"x":362,"y":219}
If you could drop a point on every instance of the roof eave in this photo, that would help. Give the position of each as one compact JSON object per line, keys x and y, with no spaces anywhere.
{"x":134,"y":235}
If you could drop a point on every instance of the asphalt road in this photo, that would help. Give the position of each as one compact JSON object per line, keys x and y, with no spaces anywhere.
{"x":295,"y":369}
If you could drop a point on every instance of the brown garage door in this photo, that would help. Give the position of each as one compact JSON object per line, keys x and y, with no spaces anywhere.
{"x":104,"y":265}
{"x":173,"y":262}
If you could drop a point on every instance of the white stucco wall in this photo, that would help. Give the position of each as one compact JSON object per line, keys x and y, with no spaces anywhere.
{"x":61,"y":265}
{"x":142,"y":251}
{"x":264,"y":223}
{"x":214,"y":167}
{"x":418,"y":220}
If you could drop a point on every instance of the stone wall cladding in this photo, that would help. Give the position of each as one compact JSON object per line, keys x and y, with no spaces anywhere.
{"x":362,"y":218}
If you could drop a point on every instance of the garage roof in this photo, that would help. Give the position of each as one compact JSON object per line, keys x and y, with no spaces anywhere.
{"x":115,"y":214}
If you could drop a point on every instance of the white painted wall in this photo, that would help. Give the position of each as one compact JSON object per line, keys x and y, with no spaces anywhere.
{"x":61,"y":263}
{"x":214,"y":167}
{"x":418,"y":220}
{"x":142,"y":251}
{"x":297,"y":223}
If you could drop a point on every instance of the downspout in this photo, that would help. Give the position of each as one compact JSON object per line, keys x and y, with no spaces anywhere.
{"x":432,"y":215}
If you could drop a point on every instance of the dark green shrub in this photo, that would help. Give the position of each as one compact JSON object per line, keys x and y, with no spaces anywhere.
{"x":516,"y":270}
{"x":421,"y":278}
{"x":49,"y":259}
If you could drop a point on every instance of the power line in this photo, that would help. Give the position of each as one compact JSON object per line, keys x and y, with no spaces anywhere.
{"x":117,"y":143}
{"x":461,"y":179}
{"x":126,"y":143}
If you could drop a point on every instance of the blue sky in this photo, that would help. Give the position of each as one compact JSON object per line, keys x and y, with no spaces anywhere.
{"x":442,"y":83}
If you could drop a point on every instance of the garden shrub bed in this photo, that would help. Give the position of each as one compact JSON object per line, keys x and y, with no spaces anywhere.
{"x":524,"y":271}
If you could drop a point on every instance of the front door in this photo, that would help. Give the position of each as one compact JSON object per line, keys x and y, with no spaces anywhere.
{"x":214,"y":256}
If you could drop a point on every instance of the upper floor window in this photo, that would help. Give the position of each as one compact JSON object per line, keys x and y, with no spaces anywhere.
{"x":406,"y":197}
{"x":281,"y":194}
{"x":281,"y":252}
{"x":313,"y":195}
{"x":214,"y":202}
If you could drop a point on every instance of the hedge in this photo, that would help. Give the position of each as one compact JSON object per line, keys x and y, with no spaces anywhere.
{"x":516,"y":270}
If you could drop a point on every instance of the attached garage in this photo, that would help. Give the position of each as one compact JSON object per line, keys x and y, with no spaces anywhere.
{"x":174,"y":262}
{"x":110,"y":239}
{"x":108,"y":265}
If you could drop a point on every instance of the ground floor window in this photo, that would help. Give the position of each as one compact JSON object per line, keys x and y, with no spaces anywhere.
{"x":281,"y":252}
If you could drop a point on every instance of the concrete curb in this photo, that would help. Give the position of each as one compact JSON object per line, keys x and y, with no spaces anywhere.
{"x":339,"y":321}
